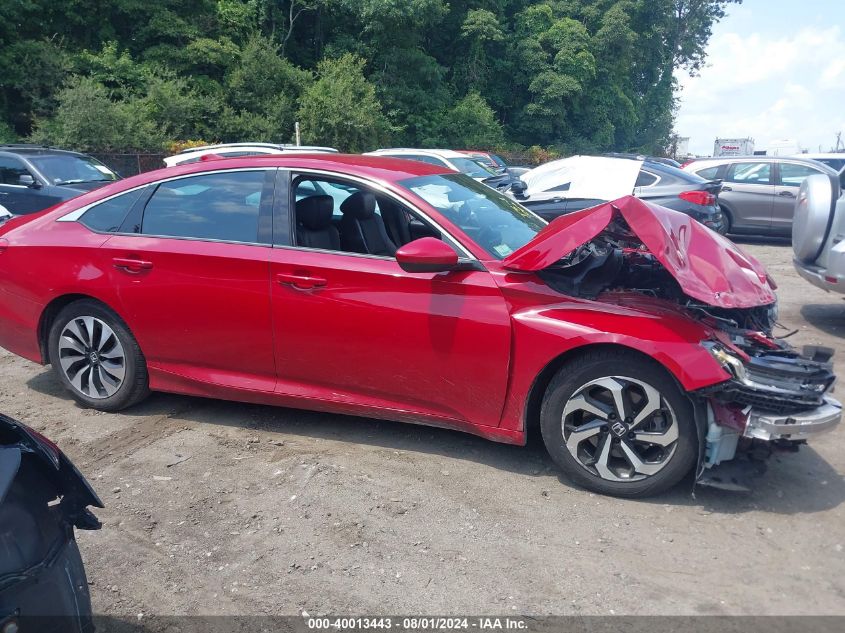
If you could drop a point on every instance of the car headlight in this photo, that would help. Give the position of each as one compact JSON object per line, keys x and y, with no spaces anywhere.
{"x":726,"y":359}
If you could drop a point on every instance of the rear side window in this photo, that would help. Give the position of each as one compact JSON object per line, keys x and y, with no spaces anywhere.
{"x":223,"y":206}
{"x":709,"y":173}
{"x":107,"y":216}
{"x":645,"y":179}
{"x":792,"y":175}
{"x":750,"y":173}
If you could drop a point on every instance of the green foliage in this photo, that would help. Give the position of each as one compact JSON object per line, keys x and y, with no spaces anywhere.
{"x":471,"y":123}
{"x":574,"y":75}
{"x":88,"y":120}
{"x":341,"y":109}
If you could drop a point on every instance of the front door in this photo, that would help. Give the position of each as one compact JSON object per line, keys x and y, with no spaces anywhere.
{"x":193,"y":279}
{"x":18,"y":198}
{"x":355,"y":328}
{"x":789,"y":179}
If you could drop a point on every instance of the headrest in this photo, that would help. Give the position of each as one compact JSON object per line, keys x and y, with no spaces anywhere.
{"x":361,"y":205}
{"x":315,"y":212}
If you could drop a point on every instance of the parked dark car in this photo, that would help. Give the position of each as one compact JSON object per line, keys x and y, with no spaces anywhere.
{"x":42,"y":498}
{"x":570,"y":184}
{"x":33,"y":178}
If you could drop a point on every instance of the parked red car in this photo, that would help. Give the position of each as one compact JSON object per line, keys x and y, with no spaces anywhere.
{"x":639,"y":341}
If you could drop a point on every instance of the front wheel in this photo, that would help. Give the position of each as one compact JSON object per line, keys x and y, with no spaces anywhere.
{"x":619,"y":425}
{"x":96,"y":358}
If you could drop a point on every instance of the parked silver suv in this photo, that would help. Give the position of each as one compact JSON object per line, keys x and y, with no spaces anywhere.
{"x":818,"y":233}
{"x":758,"y":192}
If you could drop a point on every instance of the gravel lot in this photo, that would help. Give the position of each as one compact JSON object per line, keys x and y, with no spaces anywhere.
{"x":223,"y":508}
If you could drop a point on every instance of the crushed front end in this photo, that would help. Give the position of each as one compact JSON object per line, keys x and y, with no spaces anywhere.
{"x":776,"y":399}
{"x":644,"y":257}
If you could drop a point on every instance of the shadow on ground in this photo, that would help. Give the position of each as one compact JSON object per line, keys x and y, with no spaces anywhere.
{"x":801,"y":483}
{"x":827,"y":317}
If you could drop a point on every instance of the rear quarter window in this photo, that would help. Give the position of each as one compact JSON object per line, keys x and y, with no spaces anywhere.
{"x":708,"y":173}
{"x":106,"y":217}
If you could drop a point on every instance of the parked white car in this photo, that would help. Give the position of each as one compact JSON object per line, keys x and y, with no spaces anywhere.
{"x":233,"y":150}
{"x":818,"y":233}
{"x":455,"y":161}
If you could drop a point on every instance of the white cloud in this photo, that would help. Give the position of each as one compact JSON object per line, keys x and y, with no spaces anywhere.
{"x":767,"y":87}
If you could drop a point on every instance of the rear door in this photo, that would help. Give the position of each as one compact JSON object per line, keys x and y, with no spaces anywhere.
{"x":789,"y":178}
{"x":748,"y":191}
{"x":191,"y":265}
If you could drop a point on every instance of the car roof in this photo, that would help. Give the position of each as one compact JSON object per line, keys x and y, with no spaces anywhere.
{"x":272,"y":146}
{"x":723,"y":160}
{"x":36,"y":150}
{"x":371,"y":167}
{"x":442,"y":153}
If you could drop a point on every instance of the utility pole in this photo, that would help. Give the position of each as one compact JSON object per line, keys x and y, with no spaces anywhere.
{"x":296,"y":128}
{"x":839,"y":145}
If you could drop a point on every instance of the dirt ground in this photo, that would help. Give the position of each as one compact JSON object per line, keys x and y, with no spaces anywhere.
{"x":222,"y":508}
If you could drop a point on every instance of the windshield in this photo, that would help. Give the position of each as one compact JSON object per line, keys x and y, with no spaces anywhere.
{"x":63,"y":169}
{"x":471,"y":167}
{"x":496,"y":223}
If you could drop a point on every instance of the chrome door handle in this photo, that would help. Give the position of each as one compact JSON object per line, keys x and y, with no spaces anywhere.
{"x":131,"y":265}
{"x":302,"y":281}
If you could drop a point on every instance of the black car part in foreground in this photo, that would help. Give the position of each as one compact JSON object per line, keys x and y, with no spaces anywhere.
{"x":42,"y":498}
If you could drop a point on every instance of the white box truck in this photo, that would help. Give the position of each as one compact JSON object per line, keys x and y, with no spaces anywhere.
{"x":733,"y":147}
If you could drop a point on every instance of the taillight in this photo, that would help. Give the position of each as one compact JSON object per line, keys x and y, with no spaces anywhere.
{"x":703,"y":198}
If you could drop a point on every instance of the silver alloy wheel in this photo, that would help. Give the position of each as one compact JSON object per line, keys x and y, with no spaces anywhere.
{"x":620,"y":428}
{"x":92,"y":357}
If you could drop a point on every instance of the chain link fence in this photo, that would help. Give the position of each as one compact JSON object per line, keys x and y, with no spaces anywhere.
{"x":130,"y":164}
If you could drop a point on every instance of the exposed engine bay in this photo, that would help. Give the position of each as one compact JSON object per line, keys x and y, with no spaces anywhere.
{"x":776,"y":396}
{"x":617,"y":259}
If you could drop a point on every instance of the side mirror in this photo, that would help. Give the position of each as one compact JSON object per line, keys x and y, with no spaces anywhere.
{"x":518,"y":187}
{"x":427,"y":255}
{"x":27,"y":180}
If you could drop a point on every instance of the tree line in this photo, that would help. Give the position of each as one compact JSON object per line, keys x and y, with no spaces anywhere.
{"x":571,"y":75}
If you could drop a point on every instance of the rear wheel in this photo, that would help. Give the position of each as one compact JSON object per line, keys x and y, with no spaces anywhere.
{"x":727,"y":223}
{"x":619,"y":425}
{"x":96,"y":358}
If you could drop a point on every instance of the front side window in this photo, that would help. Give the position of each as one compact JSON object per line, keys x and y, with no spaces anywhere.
{"x":222,"y":206}
{"x":750,"y":173}
{"x":792,"y":175}
{"x":495,"y":222}
{"x":11,"y":170}
{"x":67,"y":169}
{"x":107,"y":216}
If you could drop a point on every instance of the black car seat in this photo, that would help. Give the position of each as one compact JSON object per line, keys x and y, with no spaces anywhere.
{"x":395,"y":221}
{"x":361,"y":229}
{"x":314,"y":223}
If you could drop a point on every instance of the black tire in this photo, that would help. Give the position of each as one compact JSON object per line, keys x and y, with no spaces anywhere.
{"x":134,"y":383}
{"x":618,"y":367}
{"x":727,"y":225}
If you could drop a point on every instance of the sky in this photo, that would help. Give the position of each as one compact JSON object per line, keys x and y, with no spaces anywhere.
{"x":775,"y":69}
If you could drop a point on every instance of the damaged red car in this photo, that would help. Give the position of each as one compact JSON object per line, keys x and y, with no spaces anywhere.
{"x":636,"y":341}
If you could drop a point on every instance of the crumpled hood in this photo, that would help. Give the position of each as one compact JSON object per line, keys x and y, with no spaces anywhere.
{"x":708,"y":267}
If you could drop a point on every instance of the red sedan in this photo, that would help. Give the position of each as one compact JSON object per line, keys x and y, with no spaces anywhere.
{"x":635,"y":340}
